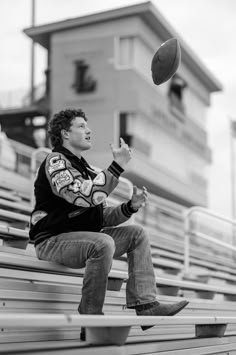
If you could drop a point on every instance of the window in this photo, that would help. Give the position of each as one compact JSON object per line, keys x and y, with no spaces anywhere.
{"x":133,"y":52}
{"x":124,"y":129}
{"x":143,"y":54}
{"x":131,"y":130}
{"x":126,"y":51}
{"x":176,"y":92}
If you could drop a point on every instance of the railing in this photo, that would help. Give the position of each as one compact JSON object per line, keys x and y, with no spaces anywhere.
{"x":188,"y":233}
{"x":156,"y":206}
{"x":20,"y":97}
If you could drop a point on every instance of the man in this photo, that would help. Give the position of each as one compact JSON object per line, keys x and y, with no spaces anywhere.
{"x":72,"y":225}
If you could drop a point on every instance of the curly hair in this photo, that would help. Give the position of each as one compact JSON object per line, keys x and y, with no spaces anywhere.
{"x":62,"y":120}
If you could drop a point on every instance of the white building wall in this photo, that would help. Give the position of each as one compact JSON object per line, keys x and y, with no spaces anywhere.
{"x":167,"y":153}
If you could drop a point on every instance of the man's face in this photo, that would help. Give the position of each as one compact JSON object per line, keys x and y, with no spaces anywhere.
{"x":79,"y":134}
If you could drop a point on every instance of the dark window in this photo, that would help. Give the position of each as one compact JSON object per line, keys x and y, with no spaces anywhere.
{"x":123,"y":128}
{"x":84,"y":82}
{"x":176,"y":92}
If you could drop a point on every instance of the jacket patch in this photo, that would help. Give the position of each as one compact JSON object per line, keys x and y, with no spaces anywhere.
{"x":81,"y":202}
{"x":100,"y":179}
{"x":99,"y":197}
{"x":36,"y":216}
{"x":55,"y":164}
{"x":75,"y":186}
{"x":86,"y":187}
{"x":62,"y":179}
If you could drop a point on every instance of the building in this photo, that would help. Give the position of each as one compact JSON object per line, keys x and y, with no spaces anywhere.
{"x":101,"y":63}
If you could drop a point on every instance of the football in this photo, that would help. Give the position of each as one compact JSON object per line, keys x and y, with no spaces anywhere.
{"x":165,"y":61}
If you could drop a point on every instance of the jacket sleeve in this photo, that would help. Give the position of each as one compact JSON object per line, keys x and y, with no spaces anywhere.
{"x":115,"y":215}
{"x":68,"y":183}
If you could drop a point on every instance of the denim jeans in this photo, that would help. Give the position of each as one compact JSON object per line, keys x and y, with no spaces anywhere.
{"x":95,"y":251}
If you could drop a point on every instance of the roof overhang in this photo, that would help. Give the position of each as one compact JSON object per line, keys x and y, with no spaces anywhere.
{"x":20,"y":113}
{"x":150,"y":15}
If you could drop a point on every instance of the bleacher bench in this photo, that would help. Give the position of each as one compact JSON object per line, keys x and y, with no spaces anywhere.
{"x":112,"y":329}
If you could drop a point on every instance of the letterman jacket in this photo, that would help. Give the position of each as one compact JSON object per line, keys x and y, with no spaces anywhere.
{"x":71,"y":196}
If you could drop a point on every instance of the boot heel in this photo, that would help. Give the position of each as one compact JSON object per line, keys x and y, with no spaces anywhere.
{"x":82,"y":334}
{"x":145,"y":327}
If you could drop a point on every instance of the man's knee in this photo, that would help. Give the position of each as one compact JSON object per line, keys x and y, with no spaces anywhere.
{"x":138,"y":231}
{"x":138,"y":235}
{"x":105,"y":245}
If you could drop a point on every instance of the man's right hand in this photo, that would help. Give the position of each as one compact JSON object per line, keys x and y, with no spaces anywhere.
{"x":121,"y":155}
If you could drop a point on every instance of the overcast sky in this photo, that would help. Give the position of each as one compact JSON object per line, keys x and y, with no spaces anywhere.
{"x":207,"y":26}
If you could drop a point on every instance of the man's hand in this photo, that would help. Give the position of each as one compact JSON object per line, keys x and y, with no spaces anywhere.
{"x":121,"y":155}
{"x":138,"y":199}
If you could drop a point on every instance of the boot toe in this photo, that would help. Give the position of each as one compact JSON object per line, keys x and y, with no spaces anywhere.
{"x":162,"y":310}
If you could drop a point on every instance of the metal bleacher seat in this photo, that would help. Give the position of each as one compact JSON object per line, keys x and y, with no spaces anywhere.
{"x":39,"y":300}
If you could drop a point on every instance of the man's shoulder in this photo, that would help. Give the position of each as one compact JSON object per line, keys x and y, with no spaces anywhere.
{"x":54,"y":162}
{"x":55,"y":154}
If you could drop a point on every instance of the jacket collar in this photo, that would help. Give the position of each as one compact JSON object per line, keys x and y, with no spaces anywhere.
{"x":65,"y":151}
{"x":81,"y":163}
{"x":68,"y":154}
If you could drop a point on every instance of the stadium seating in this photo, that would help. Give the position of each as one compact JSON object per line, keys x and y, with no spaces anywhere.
{"x":32,"y":289}
{"x":36,"y":287}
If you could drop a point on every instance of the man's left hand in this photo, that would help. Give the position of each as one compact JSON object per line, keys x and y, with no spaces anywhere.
{"x":138,"y":199}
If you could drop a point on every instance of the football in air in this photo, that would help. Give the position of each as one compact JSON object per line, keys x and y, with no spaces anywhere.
{"x":165,"y":61}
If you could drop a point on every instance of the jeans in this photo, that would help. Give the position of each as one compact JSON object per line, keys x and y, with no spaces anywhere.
{"x":95,"y":251}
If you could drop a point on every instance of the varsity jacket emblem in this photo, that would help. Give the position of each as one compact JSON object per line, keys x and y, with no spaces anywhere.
{"x":68,"y":183}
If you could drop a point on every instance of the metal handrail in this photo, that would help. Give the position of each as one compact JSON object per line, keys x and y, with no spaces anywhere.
{"x":187,"y":232}
{"x":33,"y":166}
{"x":34,"y":155}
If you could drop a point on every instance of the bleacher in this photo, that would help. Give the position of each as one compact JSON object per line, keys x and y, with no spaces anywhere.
{"x":39,"y":299}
